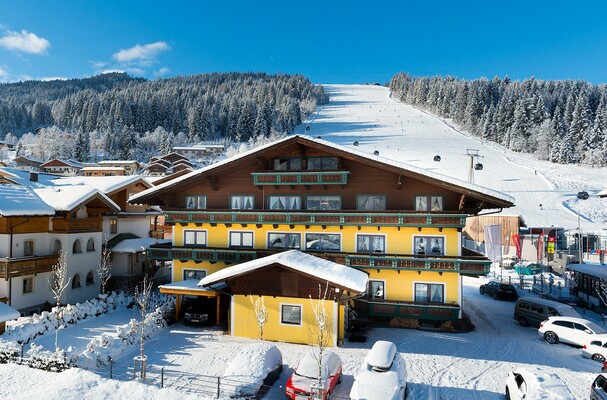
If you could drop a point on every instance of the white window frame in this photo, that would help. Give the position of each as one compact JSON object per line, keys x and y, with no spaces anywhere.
{"x":429,"y":199}
{"x":444,"y":285}
{"x":23,"y":292}
{"x":196,"y":232}
{"x":288,"y":201}
{"x":301,"y":310}
{"x":232,"y":246}
{"x":242,"y":198}
{"x":370,"y":252}
{"x":383,"y":281}
{"x":186,"y":270}
{"x":198,"y":199}
{"x":444,"y":238}
{"x":283,"y":233}
{"x":305,"y":243}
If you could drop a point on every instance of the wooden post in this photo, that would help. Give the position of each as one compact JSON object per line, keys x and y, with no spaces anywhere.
{"x":218,"y":310}
{"x":177,"y":307}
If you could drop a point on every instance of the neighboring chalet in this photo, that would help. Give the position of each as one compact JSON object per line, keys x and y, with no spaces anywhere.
{"x":27,"y":163}
{"x":62,"y":167}
{"x":168,"y":164}
{"x":103,"y":171}
{"x":201,"y":153}
{"x":130,"y":166}
{"x":400,"y":224}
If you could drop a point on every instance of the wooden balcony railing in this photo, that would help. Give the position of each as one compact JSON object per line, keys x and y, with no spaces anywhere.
{"x":14,"y":267}
{"x":73,"y":225}
{"x":368,"y":308}
{"x":326,"y":218}
{"x":462,"y":265}
{"x":300,"y":178}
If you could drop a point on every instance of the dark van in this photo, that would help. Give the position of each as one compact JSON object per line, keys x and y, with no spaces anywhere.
{"x":532,"y":311}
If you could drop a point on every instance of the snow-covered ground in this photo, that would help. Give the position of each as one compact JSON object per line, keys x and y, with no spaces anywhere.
{"x":369,"y":115}
{"x":440,"y":365}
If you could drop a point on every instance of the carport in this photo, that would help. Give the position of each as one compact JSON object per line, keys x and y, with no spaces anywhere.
{"x":189,"y":288}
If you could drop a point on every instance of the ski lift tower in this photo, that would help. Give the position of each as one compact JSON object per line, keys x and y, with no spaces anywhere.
{"x":472,"y":153}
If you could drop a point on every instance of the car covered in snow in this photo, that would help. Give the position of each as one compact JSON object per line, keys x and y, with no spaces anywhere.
{"x":251,"y":373}
{"x":383,"y":375}
{"x":299,"y":385}
{"x":524,"y":384}
{"x":575,"y":331}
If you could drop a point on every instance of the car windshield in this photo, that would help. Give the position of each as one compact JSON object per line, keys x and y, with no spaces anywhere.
{"x":596,"y":328}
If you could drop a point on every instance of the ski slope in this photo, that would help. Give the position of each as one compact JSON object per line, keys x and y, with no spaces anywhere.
{"x":545,"y":193}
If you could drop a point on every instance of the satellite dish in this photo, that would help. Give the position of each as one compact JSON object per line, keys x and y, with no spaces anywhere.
{"x":376,"y":152}
{"x":437,"y":158}
{"x":478,"y":166}
{"x":356,"y":143}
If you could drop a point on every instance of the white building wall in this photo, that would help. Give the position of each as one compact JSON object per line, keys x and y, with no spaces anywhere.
{"x":20,"y":300}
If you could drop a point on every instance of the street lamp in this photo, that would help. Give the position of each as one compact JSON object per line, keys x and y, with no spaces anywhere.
{"x":583,"y":195}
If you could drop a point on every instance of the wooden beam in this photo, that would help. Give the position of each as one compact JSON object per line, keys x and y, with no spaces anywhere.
{"x":462,"y":201}
{"x":218,"y":310}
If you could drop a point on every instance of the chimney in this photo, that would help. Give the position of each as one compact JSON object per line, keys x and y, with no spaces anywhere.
{"x":33,"y":176}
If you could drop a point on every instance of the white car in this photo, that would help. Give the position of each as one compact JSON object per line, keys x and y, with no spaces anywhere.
{"x":596,"y":349}
{"x":523,"y":384}
{"x":383,"y":375}
{"x":575,"y":331}
{"x":254,"y":369}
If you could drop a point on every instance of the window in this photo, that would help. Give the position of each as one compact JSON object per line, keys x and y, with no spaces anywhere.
{"x":244,"y":202}
{"x":196,"y":274}
{"x":429,"y":293}
{"x":428,"y":203}
{"x":429,"y":245}
{"x":376,"y":290}
{"x":77,"y":247}
{"x":370,"y":202}
{"x":284,"y":241}
{"x":284,"y":202}
{"x":113,"y":225}
{"x":90,"y":279}
{"x":76,"y":282}
{"x":196,"y":202}
{"x":28,"y":285}
{"x":286,"y":164}
{"x":290,"y":314}
{"x":322,"y":162}
{"x":28,"y":248}
{"x":195,"y":238}
{"x":321,"y":241}
{"x":90,"y":245}
{"x":56,"y":246}
{"x":241,"y":239}
{"x":323,"y":203}
{"x":370,"y":244}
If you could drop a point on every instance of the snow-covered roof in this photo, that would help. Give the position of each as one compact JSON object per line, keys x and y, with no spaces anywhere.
{"x":8,"y":313}
{"x":602,"y":193}
{"x":136,"y":245}
{"x":376,"y":158}
{"x":597,"y":270}
{"x":71,"y":163}
{"x":67,"y":198}
{"x":105,"y":184}
{"x":102,"y":169}
{"x":112,"y":162}
{"x":188,"y":284}
{"x":23,"y":177}
{"x":325,"y":270}
{"x":18,"y":200}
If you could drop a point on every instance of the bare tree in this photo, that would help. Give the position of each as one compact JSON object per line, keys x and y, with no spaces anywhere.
{"x":105,"y":266}
{"x":59,"y":282}
{"x":320,"y":334}
{"x":143,"y":294}
{"x":261,"y":314}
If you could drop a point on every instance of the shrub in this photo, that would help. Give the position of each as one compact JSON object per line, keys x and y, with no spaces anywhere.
{"x":401,"y":322}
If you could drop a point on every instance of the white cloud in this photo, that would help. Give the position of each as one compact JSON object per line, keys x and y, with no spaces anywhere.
{"x":6,"y":76}
{"x":52,"y":78}
{"x":24,"y":42}
{"x":162,"y":71}
{"x":141,"y":54}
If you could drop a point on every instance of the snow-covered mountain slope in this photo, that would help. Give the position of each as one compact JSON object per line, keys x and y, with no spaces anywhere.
{"x":545,"y":193}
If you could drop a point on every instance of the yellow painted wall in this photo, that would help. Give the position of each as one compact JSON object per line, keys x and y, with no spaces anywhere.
{"x":245,"y":325}
{"x":179,"y":266}
{"x":401,"y":287}
{"x":397,"y":242}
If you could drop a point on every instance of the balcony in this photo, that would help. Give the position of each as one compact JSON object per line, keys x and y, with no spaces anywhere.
{"x":300,"y":178}
{"x":14,"y":267}
{"x":75,"y":225}
{"x":319,"y":218}
{"x":368,"y":308}
{"x":463,"y":265}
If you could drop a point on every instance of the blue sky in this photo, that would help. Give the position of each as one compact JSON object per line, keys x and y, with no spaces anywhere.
{"x":327,"y":41}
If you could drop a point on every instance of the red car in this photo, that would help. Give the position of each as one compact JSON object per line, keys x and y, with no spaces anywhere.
{"x":306,"y":374}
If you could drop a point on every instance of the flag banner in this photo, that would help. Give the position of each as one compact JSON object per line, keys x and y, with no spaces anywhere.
{"x":540,"y":247}
{"x":493,"y":242}
{"x":516,"y":239}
